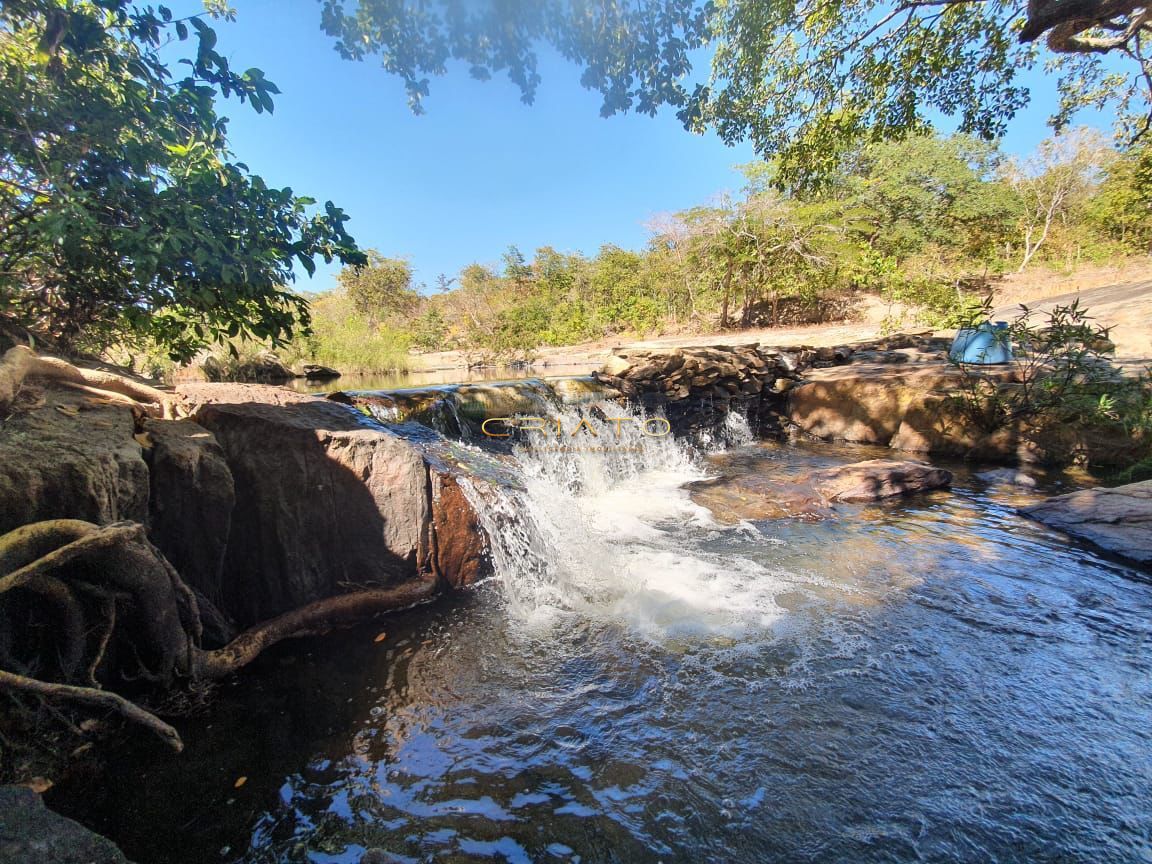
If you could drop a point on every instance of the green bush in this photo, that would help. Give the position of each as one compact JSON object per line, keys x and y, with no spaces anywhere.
{"x":1063,"y":384}
{"x":345,"y":340}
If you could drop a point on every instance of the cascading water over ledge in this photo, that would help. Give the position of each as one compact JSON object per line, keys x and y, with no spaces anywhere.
{"x":606,"y":531}
{"x":457,"y":410}
{"x":643,"y":684}
{"x":656,"y":415}
{"x":581,"y":498}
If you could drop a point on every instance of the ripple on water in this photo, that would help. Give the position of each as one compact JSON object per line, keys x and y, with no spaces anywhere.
{"x":932,"y":679}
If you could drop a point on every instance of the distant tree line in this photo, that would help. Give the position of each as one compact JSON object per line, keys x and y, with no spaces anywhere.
{"x":926,"y":221}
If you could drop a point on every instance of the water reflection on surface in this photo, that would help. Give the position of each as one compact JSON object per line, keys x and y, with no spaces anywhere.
{"x":421,"y":378}
{"x":947,"y":682}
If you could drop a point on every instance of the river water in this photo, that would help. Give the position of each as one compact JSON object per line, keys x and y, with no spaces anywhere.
{"x":649,"y":680}
{"x":433,"y":377}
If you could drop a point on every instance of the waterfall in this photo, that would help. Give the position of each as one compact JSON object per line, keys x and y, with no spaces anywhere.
{"x":457,"y":410}
{"x":602,"y":528}
{"x":735,"y":431}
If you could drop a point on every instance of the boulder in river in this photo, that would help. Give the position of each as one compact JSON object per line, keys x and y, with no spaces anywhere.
{"x":1007,"y":477}
{"x":326,"y":501}
{"x":1117,"y":520}
{"x":875,"y":479}
{"x":810,"y":497}
{"x":316,"y":372}
{"x":264,"y":367}
{"x":30,"y":833}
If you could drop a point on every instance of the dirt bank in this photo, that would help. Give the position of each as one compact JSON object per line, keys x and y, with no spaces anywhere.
{"x":1119,"y":297}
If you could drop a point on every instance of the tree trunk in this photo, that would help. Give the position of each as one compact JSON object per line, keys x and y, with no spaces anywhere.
{"x":14,"y":367}
{"x":727,"y":297}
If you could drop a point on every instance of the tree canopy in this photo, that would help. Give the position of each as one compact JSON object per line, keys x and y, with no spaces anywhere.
{"x":122,"y":211}
{"x":805,"y":81}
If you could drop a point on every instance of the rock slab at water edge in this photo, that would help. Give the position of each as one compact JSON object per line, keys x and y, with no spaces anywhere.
{"x":875,"y":479}
{"x":30,"y":833}
{"x":1117,"y":520}
{"x":325,"y":502}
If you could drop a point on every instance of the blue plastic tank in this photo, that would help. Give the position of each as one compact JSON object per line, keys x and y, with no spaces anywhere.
{"x":984,"y":345}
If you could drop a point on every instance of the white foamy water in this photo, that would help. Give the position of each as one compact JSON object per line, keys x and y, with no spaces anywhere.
{"x":604,"y":529}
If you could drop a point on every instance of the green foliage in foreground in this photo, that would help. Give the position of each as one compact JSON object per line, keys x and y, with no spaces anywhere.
{"x":123,"y":216}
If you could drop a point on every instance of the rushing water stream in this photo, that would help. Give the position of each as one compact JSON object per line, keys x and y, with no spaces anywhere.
{"x":932,"y":679}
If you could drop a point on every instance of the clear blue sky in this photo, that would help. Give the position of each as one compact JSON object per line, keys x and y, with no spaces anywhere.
{"x":479,"y":170}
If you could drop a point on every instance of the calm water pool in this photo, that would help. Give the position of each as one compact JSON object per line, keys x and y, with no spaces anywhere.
{"x":934,"y":679}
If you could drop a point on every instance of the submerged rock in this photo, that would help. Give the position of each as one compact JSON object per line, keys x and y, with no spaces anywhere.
{"x":380,"y":856}
{"x":875,"y":479}
{"x":758,"y":497}
{"x":1007,"y":477}
{"x":31,"y":833}
{"x":810,"y":497}
{"x":1117,"y":520}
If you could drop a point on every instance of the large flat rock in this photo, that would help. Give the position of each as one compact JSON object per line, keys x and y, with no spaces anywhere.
{"x":30,"y":833}
{"x":908,"y":407}
{"x":266,"y":500}
{"x":868,"y":403}
{"x":71,"y":457}
{"x":1118,"y":520}
{"x":326,"y":501}
{"x":812,"y":496}
{"x":876,"y":479}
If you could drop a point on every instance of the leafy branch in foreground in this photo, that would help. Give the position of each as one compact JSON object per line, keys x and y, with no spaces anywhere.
{"x":805,"y":81}
{"x":122,"y":212}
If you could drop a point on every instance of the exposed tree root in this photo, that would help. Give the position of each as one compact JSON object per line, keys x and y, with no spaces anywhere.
{"x":120,"y":612}
{"x":25,"y":544}
{"x":311,"y":620}
{"x":19,"y":363}
{"x":93,"y":698}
